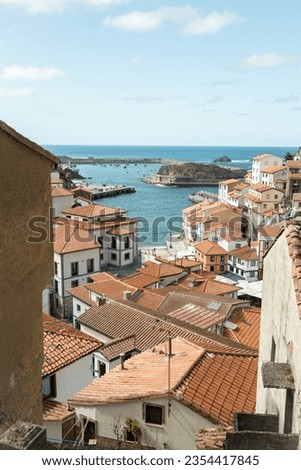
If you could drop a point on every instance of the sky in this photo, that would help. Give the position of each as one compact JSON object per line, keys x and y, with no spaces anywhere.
{"x":139,"y":72}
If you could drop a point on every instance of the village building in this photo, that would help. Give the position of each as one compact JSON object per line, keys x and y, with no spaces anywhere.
{"x":213,"y":257}
{"x":260,"y":163}
{"x":293,"y":178}
{"x":26,"y":267}
{"x":67,"y":367}
{"x":244,"y":262}
{"x":274,"y":176}
{"x":61,"y":199}
{"x":262,"y":202}
{"x":266,"y":237}
{"x":116,"y":233}
{"x":224,"y":188}
{"x":279,"y":381}
{"x":160,"y":409}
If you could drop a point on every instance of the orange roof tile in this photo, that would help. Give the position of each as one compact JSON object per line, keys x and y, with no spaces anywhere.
{"x":293,"y":163}
{"x":103,"y":276}
{"x":149,"y":298}
{"x":293,"y":238}
{"x":212,"y":438}
{"x":210,"y":248}
{"x":121,"y":231}
{"x":81,"y":293}
{"x":271,"y":231}
{"x":118,"y":346}
{"x":187,"y":263}
{"x":54,"y":411}
{"x":198,"y":316}
{"x":144,"y":375}
{"x":63,"y":344}
{"x":141,"y":280}
{"x":230,"y":181}
{"x":246,"y":253}
{"x":161,"y":270}
{"x":253,"y":198}
{"x":94,"y":210}
{"x":118,"y":319}
{"x":113,"y":288}
{"x":263,"y":156}
{"x":273,"y":169}
{"x":241,"y":186}
{"x":69,"y":238}
{"x":210,"y":286}
{"x":220,"y":385}
{"x":59,"y":191}
{"x":247,"y":321}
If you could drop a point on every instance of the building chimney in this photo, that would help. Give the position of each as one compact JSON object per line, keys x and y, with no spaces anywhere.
{"x":121,"y":361}
{"x":127,"y":295}
{"x":102,"y":300}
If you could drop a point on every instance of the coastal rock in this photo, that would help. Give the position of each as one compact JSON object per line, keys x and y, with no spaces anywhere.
{"x":222,"y":160}
{"x":193,"y":174}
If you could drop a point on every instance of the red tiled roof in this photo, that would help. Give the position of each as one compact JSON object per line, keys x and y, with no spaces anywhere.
{"x":69,"y":238}
{"x":112,"y":288}
{"x":94,"y":210}
{"x":246,"y":252}
{"x":293,"y":237}
{"x":293,"y":163}
{"x":160,"y":270}
{"x":121,"y":231}
{"x":220,"y":385}
{"x":198,"y":316}
{"x":81,"y":293}
{"x":118,"y":346}
{"x":263,"y":156}
{"x":141,"y":280}
{"x":149,"y":298}
{"x":273,"y":169}
{"x":54,"y":411}
{"x":270,"y":231}
{"x":247,"y":321}
{"x":210,"y":248}
{"x":58,"y":191}
{"x":212,"y":438}
{"x":118,"y":319}
{"x":64,"y":344}
{"x":144,"y":375}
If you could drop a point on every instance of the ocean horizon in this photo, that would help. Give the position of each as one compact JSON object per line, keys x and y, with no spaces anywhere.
{"x":159,"y":208}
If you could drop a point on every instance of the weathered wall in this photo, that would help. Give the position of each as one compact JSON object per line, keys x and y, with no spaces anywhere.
{"x":25,"y":270}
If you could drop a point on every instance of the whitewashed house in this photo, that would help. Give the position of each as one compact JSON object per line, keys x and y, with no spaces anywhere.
{"x":244,"y":262}
{"x":61,"y":199}
{"x":150,"y":400}
{"x":260,"y":163}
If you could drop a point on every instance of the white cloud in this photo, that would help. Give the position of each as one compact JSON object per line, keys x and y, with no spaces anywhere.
{"x":30,"y":73}
{"x":165,"y":97}
{"x":211,"y":23}
{"x":287,"y":99}
{"x":55,"y":6}
{"x":136,"y":59}
{"x":268,"y":60}
{"x":14,"y":92}
{"x":189,"y":17}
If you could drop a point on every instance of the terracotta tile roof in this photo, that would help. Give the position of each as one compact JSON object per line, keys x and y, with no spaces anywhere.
{"x":198,"y":316}
{"x":118,"y":346}
{"x":54,"y":411}
{"x":212,"y":438}
{"x":121,"y":231}
{"x":160,"y":270}
{"x":69,"y":238}
{"x":143,"y":376}
{"x":141,"y":280}
{"x":63,"y":344}
{"x":273,"y":169}
{"x":253,"y":198}
{"x":164,"y":291}
{"x":104,"y":276}
{"x":270,"y":231}
{"x":219,"y":303}
{"x":230,"y":181}
{"x":246,"y":253}
{"x":59,"y":191}
{"x":81,"y":293}
{"x":293,"y":163}
{"x":247,"y":321}
{"x":14,"y":135}
{"x":202,"y":206}
{"x":210,"y":248}
{"x":119,"y":319}
{"x":94,"y":210}
{"x":220,"y":385}
{"x":113,"y":288}
{"x":149,"y":298}
{"x":187,"y":263}
{"x":210,"y":286}
{"x":233,"y":195}
{"x":261,"y":188}
{"x":263,"y":156}
{"x":241,"y":186}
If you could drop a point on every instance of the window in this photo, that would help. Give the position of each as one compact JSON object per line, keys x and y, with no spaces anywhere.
{"x":273,"y":350}
{"x":222,"y":258}
{"x":211,"y":258}
{"x":90,"y":265}
{"x":276,"y":196}
{"x":268,"y":196}
{"x":56,"y":286}
{"x":100,"y":240}
{"x":265,"y":206}
{"x":153,"y":414}
{"x":77,"y":307}
{"x":113,"y":256}
{"x":101,"y":256}
{"x":222,"y":267}
{"x":212,"y":268}
{"x":127,"y":256}
{"x":252,"y":274}
{"x":74,"y":268}
{"x":74,"y":283}
{"x":239,"y":261}
{"x":127,"y":242}
{"x":55,"y":268}
{"x":253,"y":263}
{"x":230,"y":257}
{"x":237,"y":245}
{"x":114,"y":243}
{"x":49,"y":387}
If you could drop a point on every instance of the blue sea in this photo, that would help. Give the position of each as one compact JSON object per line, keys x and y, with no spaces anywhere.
{"x":159,"y":208}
